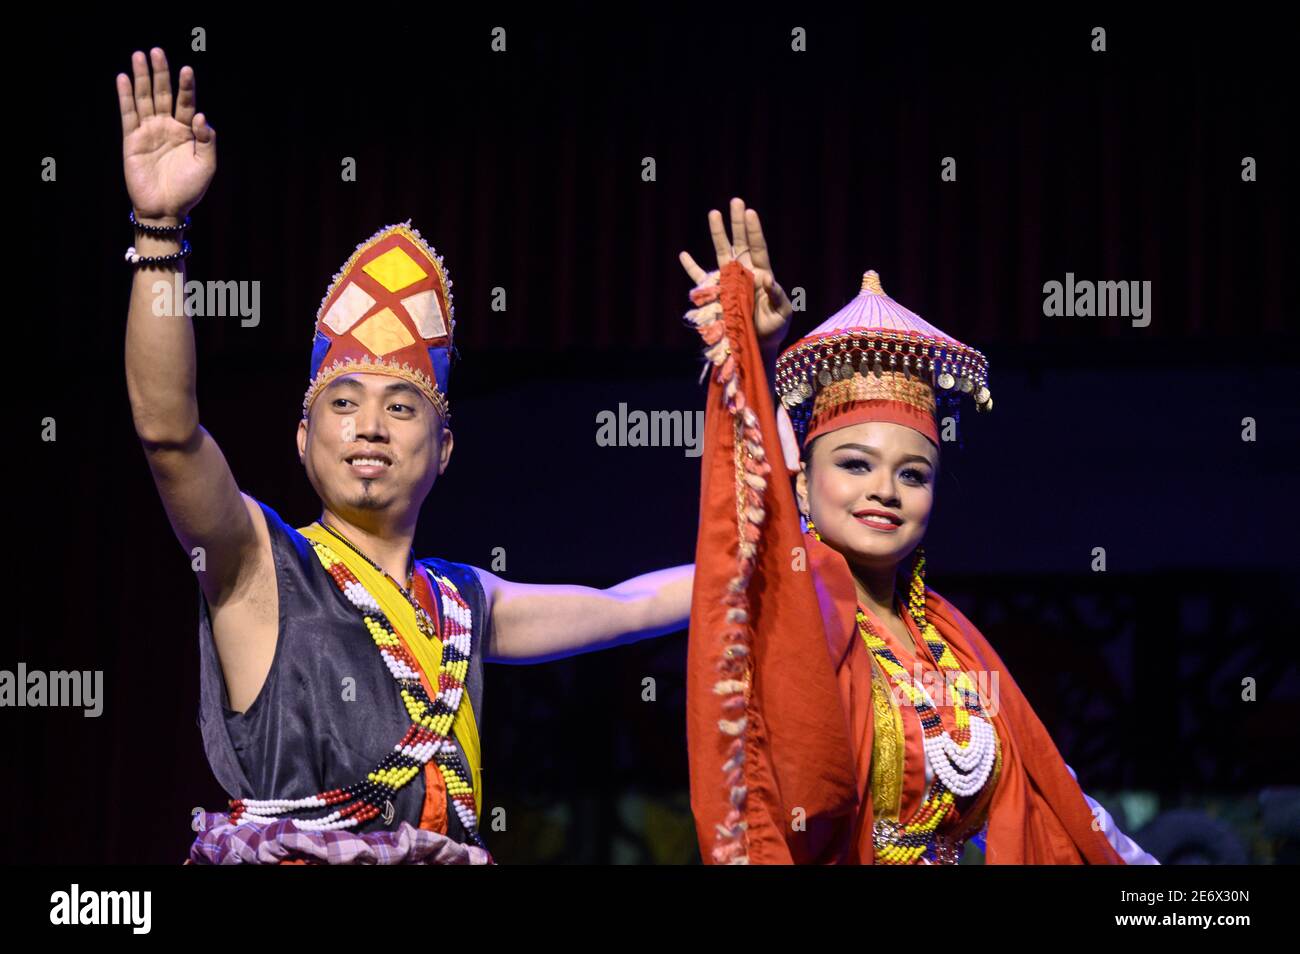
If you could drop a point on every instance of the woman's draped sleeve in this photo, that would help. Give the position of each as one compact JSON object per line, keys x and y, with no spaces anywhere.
{"x":771,"y":765}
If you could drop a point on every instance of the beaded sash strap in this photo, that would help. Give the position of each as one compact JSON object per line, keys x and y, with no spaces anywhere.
{"x":961,"y":762}
{"x":430,"y":733}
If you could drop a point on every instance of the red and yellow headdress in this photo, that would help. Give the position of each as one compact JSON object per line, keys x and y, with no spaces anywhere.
{"x":387,"y":311}
{"x":875,"y":360}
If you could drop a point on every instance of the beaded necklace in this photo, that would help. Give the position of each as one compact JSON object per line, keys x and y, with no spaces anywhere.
{"x":429,"y":736}
{"x":961,"y":762}
{"x":427,"y":626}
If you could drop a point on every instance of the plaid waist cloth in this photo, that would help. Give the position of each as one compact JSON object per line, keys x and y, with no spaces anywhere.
{"x":283,"y":842}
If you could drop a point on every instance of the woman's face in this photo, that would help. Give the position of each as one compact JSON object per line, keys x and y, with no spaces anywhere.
{"x":875,"y":466}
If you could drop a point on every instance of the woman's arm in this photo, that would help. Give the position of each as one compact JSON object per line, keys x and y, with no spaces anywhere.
{"x":1128,"y":849}
{"x":766,"y":735}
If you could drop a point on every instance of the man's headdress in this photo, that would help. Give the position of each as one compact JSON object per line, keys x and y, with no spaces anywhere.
{"x":387,"y":311}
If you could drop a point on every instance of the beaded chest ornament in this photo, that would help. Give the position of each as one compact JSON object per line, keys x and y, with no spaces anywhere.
{"x":429,"y":736}
{"x":961,"y":762}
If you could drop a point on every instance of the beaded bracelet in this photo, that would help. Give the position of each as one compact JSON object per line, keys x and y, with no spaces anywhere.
{"x":159,"y":229}
{"x":136,"y":259}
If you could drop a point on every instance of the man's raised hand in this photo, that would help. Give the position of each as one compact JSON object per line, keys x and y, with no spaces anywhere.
{"x":168,"y":159}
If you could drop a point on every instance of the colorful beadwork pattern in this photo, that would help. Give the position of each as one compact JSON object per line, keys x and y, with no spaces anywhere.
{"x":961,"y":762}
{"x":429,"y":736}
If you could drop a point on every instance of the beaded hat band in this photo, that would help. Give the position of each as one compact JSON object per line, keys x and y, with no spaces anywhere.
{"x":387,"y":311}
{"x":875,"y":360}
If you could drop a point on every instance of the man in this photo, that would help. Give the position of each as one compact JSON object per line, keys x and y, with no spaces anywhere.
{"x":339,"y":673}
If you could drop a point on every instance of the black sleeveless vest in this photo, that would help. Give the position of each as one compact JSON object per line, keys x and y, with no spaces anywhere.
{"x":301,"y":736}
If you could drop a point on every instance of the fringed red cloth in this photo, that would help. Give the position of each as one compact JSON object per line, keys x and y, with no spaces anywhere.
{"x":772,"y":760}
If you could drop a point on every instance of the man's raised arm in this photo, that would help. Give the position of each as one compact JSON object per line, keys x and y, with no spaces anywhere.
{"x":169,"y":157}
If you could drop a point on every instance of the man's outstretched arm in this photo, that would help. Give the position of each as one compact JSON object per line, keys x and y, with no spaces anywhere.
{"x":531,"y":623}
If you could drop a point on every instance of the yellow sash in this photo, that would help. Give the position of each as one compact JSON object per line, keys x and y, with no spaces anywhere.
{"x":427,"y":652}
{"x":887,"y":748}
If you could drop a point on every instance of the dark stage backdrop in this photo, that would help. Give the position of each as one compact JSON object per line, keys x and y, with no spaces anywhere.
{"x":530,"y":171}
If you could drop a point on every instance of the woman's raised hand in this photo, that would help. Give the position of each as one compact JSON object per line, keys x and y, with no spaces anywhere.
{"x":169,"y":160}
{"x":772,"y":309}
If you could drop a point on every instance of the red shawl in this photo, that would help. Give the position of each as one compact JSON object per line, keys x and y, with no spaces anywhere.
{"x":772,"y":763}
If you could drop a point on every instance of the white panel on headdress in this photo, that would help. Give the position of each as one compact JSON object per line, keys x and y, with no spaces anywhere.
{"x":351,"y":304}
{"x":426,"y":312}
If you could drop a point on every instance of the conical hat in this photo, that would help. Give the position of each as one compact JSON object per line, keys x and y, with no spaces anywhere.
{"x":876,"y":360}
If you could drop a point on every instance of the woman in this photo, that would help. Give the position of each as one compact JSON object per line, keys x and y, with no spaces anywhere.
{"x":839,"y":709}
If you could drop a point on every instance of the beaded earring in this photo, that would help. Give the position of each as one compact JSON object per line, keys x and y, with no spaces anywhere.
{"x":811,"y":527}
{"x":916,"y":590}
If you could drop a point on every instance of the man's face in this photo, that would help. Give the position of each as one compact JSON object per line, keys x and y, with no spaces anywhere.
{"x":373,"y":445}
